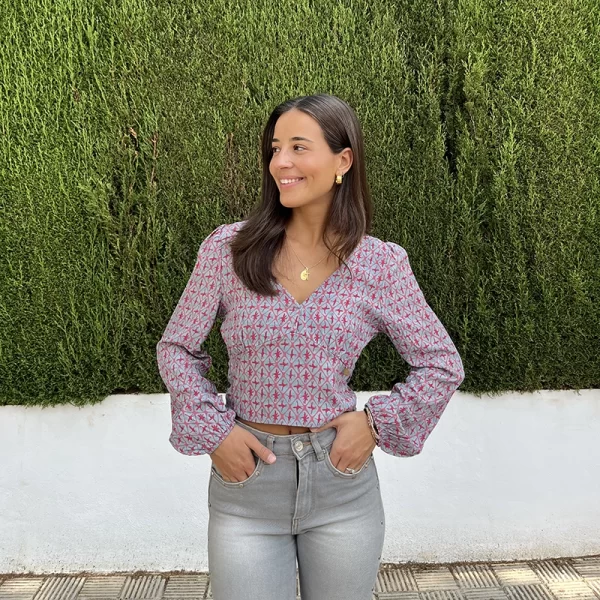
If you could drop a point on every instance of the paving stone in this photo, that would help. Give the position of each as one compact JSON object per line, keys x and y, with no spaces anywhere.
{"x":395,"y":580}
{"x":20,"y":588}
{"x":555,"y":570}
{"x":60,"y":588}
{"x":485,"y":593}
{"x":434,"y":578}
{"x":183,"y":587}
{"x":99,"y":587}
{"x":209,"y":589}
{"x":475,"y":576}
{"x":572,"y":590}
{"x":441,"y":595}
{"x":595,"y":585}
{"x":515,"y":574}
{"x":535,"y":591}
{"x":557,"y":579}
{"x":149,"y":587}
{"x":587,"y":567}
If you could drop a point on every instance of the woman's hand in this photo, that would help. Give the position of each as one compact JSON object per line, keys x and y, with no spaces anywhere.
{"x":353,"y":443}
{"x":233,"y":456}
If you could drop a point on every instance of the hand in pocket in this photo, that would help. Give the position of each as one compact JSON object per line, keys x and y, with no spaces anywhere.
{"x":233,"y":458}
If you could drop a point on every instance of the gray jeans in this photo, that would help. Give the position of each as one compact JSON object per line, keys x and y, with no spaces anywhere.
{"x":300,"y":509}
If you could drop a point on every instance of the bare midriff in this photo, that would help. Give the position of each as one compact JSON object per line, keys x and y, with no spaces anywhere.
{"x":276,"y":429}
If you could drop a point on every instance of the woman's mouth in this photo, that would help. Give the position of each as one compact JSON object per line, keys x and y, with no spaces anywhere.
{"x":291,"y":182}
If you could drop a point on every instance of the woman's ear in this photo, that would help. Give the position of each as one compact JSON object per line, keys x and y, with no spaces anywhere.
{"x":346,"y":158}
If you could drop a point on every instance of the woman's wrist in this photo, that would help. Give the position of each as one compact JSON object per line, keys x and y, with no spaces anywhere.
{"x":372,"y":427}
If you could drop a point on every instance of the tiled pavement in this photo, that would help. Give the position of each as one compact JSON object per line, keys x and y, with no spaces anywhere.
{"x":557,"y":579}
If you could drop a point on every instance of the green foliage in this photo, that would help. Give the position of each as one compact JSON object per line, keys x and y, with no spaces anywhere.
{"x":131,"y":129}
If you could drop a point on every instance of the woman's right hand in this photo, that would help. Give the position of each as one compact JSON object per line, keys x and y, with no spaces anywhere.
{"x":233,"y":456}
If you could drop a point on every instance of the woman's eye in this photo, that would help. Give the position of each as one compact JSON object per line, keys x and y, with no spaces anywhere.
{"x":295,"y":147}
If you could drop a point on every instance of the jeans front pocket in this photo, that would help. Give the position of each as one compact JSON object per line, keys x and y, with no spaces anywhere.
{"x":339,"y":473}
{"x":238,"y":484}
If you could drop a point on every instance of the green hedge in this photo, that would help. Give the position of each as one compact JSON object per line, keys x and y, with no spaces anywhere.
{"x":131,"y":129}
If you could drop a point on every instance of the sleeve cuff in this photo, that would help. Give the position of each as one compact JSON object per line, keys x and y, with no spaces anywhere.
{"x":194,"y":443}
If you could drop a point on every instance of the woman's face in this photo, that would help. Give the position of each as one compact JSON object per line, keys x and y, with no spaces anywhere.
{"x":302,"y":164}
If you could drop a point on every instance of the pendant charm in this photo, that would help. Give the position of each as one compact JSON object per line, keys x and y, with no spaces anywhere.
{"x":304,"y":275}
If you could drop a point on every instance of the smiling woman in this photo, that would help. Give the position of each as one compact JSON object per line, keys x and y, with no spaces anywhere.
{"x":315,"y":203}
{"x":294,"y":479}
{"x":305,"y":173}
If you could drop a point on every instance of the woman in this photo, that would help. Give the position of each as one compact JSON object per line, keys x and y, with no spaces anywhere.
{"x":302,"y":289}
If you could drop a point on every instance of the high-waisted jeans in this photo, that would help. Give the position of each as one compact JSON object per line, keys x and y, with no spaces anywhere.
{"x":299,"y":509}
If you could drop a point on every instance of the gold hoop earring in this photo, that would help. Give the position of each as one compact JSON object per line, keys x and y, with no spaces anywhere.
{"x":338,"y":179}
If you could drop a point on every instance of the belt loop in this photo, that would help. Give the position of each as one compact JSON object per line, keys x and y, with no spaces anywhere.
{"x":317,"y":446}
{"x":270,"y":440}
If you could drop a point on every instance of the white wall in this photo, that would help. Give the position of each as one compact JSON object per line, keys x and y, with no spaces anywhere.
{"x":100,"y":489}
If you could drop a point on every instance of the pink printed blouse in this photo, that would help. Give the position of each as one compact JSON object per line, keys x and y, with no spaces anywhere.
{"x":290,"y":363}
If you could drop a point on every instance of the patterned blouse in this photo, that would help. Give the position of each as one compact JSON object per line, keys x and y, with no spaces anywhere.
{"x":290,"y":363}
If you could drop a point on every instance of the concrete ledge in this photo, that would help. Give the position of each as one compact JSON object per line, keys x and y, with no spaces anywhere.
{"x":99,"y":489}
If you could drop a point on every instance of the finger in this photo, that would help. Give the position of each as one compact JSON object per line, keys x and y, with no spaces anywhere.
{"x":345,"y":461}
{"x":335,"y":458}
{"x":245,"y":470}
{"x":240,"y":473}
{"x":251,"y":467}
{"x":229,"y":478}
{"x":237,"y":478}
{"x":336,"y":452}
{"x":358,"y":465}
{"x":342,"y":464}
{"x":261,"y":451}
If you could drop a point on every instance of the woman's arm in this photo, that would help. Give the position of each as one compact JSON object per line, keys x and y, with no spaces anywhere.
{"x":406,"y":417}
{"x":200,"y":420}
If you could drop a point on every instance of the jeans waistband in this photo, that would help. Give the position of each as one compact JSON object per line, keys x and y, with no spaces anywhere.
{"x":298,"y":443}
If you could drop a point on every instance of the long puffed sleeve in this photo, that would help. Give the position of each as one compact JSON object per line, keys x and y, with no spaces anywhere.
{"x":405,"y":418}
{"x":200,"y":420}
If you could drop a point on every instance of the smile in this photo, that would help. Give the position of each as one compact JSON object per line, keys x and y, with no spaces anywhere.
{"x":288,"y":183}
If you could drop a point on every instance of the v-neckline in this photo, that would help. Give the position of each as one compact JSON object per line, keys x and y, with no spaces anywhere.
{"x":297,"y":305}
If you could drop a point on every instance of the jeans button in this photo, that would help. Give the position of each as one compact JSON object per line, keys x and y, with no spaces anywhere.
{"x":298,"y":445}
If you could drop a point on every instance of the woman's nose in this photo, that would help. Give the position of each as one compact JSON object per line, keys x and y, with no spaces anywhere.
{"x":282,"y":159}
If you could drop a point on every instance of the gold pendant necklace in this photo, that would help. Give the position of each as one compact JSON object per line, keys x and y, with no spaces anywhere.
{"x":304,"y":274}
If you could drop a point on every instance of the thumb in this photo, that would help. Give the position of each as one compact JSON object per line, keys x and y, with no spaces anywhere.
{"x":261,"y":451}
{"x":333,"y":423}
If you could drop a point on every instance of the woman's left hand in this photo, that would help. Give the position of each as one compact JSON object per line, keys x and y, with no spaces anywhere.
{"x":353,"y":443}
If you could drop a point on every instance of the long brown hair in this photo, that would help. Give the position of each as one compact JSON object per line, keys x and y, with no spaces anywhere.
{"x":260,"y":239}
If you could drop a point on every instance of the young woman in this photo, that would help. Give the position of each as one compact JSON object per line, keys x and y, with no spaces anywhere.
{"x":302,"y":288}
